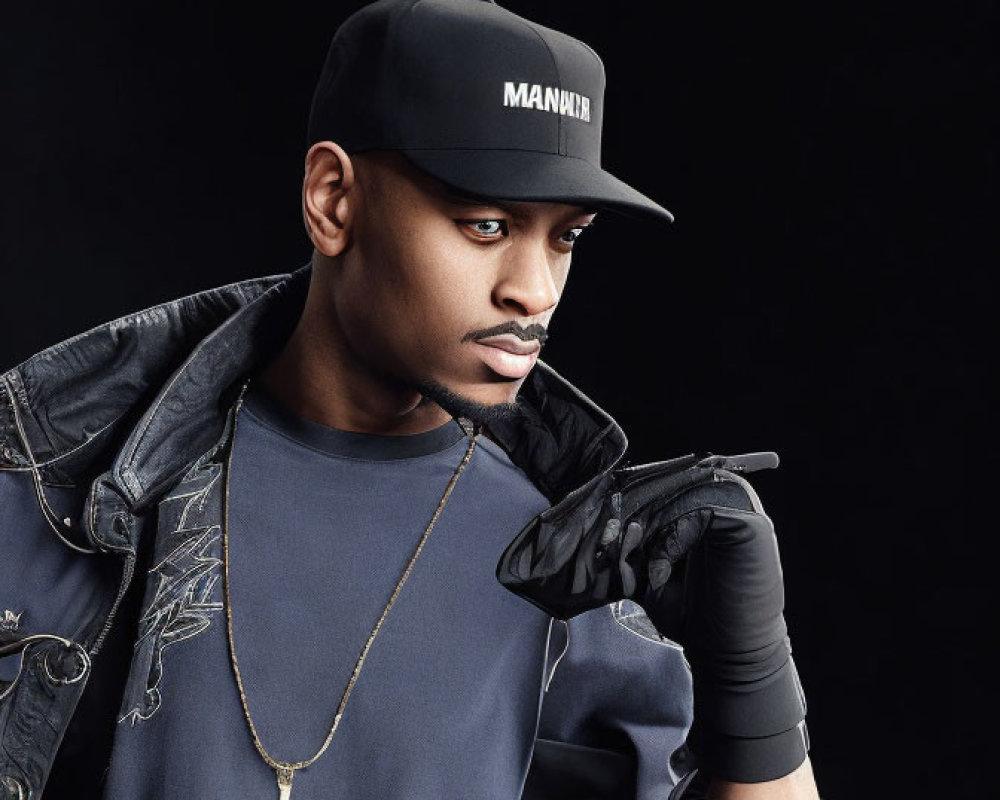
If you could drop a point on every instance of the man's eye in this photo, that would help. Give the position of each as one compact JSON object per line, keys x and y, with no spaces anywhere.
{"x":574,"y":233}
{"x":486,"y":228}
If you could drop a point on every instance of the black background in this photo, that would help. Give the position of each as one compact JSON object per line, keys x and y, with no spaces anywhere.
{"x":823,"y":293}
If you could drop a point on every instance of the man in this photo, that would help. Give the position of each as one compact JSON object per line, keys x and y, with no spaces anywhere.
{"x":262,"y":526}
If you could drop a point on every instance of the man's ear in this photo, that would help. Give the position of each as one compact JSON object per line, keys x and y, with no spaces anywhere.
{"x":328,"y":197}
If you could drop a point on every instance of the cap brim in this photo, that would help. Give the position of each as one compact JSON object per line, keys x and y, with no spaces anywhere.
{"x":533,"y":176}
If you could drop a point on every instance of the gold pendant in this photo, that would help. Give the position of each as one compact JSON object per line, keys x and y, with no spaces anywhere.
{"x":285,"y":775}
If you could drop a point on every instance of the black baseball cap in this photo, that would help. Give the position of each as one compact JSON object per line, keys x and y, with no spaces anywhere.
{"x":482,"y":99}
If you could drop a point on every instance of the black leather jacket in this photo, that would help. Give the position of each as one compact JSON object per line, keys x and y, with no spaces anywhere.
{"x":107,"y":422}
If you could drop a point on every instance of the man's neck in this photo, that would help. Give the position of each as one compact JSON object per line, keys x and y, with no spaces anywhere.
{"x":317,"y":377}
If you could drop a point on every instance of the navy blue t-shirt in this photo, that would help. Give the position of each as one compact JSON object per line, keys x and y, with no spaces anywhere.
{"x":452,"y":694}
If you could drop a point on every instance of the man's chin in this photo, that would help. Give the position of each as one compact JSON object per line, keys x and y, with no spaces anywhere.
{"x":459,"y":405}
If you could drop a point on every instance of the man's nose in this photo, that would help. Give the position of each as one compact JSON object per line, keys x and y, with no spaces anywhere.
{"x":526,"y":282}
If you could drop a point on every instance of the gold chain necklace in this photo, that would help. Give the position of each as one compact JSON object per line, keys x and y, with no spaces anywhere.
{"x":285,"y":770}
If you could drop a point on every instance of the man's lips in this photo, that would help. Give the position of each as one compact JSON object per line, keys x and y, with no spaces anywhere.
{"x":512,"y":344}
{"x":508,"y":355}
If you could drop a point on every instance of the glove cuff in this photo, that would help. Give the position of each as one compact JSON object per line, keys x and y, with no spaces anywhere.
{"x":748,"y":710}
{"x":748,"y":733}
{"x":742,"y":760}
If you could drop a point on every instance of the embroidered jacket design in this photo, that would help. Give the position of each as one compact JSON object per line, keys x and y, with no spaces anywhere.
{"x":631,"y":616}
{"x":183,"y":590}
{"x":9,"y":621}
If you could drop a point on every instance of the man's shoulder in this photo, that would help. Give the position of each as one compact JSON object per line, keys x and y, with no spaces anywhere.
{"x":61,"y":404}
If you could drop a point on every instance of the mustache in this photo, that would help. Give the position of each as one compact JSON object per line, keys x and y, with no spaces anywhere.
{"x":533,"y":331}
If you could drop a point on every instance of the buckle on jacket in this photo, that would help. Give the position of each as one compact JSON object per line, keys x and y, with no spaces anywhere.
{"x":63,"y":665}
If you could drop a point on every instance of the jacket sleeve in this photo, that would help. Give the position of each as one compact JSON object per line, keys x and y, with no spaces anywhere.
{"x":46,"y":587}
{"x":616,"y":711}
{"x":47,"y":591}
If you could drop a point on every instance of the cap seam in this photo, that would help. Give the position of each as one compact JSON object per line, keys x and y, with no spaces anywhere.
{"x":600,"y":61}
{"x":394,"y":21}
{"x":560,"y":147}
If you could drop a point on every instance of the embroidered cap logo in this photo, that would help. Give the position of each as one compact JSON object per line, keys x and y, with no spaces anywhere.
{"x":546,"y":98}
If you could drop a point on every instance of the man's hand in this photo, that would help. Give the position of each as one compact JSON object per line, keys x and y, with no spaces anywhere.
{"x":688,"y":540}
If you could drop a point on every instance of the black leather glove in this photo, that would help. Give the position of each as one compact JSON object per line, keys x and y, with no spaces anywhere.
{"x":688,"y":540}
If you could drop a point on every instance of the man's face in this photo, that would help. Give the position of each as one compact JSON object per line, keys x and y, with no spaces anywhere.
{"x":450,"y":295}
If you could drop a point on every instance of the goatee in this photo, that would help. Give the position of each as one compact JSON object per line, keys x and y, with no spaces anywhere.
{"x":459,"y":406}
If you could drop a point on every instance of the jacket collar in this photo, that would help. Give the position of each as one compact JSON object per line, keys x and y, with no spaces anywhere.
{"x":144,"y":396}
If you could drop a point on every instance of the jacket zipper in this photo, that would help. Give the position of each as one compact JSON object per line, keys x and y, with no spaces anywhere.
{"x":126,"y":581}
